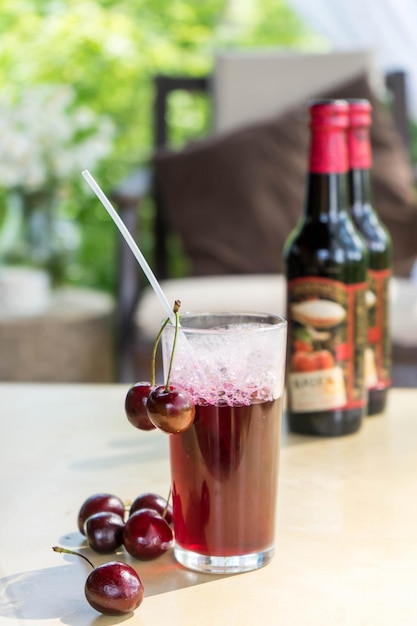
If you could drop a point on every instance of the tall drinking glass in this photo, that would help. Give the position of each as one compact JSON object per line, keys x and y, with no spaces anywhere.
{"x":225,"y":466}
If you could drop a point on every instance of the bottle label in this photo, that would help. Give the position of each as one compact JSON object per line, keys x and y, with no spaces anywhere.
{"x":378,"y":352}
{"x":327,"y":341}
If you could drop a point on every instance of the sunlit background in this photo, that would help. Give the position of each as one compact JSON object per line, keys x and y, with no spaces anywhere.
{"x":105,"y":54}
{"x":76,"y":92}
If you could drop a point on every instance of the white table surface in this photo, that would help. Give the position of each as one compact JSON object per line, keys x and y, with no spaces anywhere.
{"x":346,"y":530}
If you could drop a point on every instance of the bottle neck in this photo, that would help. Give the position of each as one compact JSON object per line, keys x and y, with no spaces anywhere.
{"x":360,"y":163}
{"x":360,"y":191}
{"x":326,"y":196}
{"x":328,"y":166}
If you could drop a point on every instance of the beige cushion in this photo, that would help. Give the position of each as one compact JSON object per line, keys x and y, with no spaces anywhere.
{"x":263,"y":293}
{"x":404,"y":312}
{"x":251,"y":85}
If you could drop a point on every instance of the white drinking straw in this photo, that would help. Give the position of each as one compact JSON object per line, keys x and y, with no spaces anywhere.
{"x":131,"y":243}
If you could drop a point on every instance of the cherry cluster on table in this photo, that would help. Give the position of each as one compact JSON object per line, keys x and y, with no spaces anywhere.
{"x":115,"y":588}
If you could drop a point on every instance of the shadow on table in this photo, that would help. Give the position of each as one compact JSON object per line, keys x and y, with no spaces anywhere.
{"x":126,"y":451}
{"x":58,"y":592}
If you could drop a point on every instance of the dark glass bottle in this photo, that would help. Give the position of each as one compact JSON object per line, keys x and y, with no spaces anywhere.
{"x":378,"y":241}
{"x":326,"y":270}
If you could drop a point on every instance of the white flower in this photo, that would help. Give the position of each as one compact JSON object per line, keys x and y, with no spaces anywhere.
{"x":45,"y":137}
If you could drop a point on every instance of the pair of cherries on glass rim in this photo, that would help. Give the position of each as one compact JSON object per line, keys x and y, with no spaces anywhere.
{"x":167,"y":407}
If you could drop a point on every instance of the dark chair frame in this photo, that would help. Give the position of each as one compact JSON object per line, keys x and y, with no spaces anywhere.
{"x":139,"y":184}
{"x":127,"y":198}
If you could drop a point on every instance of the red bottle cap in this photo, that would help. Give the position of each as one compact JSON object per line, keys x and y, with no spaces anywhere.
{"x":359,"y":113}
{"x":329,"y":120}
{"x":329,"y":113}
{"x":359,"y":145}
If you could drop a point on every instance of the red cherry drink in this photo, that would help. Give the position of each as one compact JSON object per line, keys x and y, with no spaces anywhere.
{"x":224,"y":479}
{"x":225,"y":466}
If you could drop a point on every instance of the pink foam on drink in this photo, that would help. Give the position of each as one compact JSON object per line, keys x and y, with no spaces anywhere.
{"x":231,"y":396}
{"x":230,"y":364}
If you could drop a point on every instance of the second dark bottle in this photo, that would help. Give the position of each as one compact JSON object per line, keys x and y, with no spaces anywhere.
{"x":326,"y":269}
{"x":378,"y":241}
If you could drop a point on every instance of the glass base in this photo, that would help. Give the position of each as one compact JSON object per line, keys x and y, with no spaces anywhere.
{"x":223,"y":564}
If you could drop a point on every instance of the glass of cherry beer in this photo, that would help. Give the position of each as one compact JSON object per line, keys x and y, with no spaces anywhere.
{"x":224,"y":468}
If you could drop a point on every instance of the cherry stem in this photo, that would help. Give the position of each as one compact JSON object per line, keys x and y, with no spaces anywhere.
{"x":155,"y":347}
{"x":177,"y":305}
{"x":164,"y":512}
{"x":65,"y":551}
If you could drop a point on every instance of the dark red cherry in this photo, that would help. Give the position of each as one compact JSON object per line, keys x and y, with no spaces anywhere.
{"x":104,"y":532}
{"x":113,"y":588}
{"x":147,"y":535}
{"x":135,"y":406}
{"x":97,"y":503}
{"x":171,"y":410}
{"x":152,"y":501}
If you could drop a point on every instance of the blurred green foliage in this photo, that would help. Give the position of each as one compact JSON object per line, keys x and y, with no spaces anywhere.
{"x":109,"y":50}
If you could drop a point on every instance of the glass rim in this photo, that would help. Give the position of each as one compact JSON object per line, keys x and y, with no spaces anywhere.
{"x":275,"y":321}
